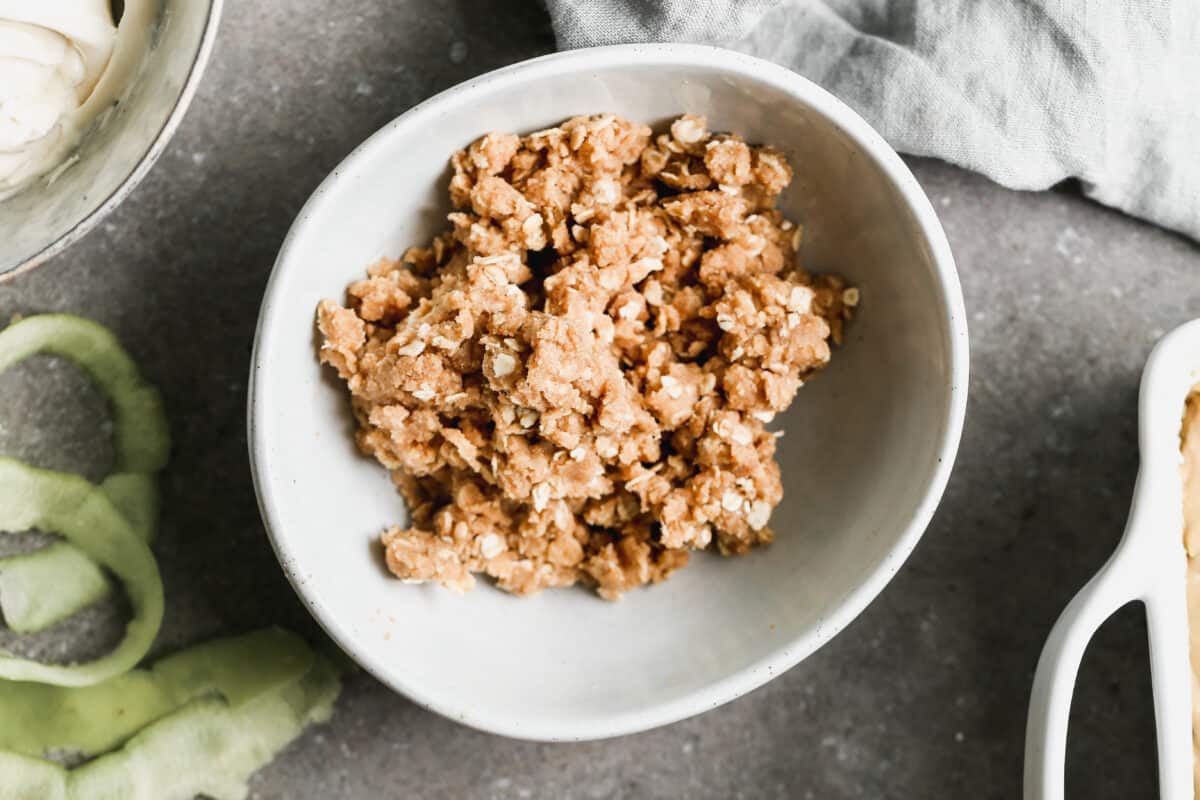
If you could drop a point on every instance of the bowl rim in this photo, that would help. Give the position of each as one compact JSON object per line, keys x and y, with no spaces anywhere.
{"x":142,"y":167}
{"x":792,"y":652}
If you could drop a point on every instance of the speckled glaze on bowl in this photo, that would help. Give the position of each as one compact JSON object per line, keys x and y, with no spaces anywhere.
{"x":45,"y":218}
{"x":868,"y":449}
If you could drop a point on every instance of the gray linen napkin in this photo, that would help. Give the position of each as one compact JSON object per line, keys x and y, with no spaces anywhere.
{"x":1027,"y":92}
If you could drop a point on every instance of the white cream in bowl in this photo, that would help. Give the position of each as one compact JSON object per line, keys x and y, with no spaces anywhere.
{"x":62,"y":63}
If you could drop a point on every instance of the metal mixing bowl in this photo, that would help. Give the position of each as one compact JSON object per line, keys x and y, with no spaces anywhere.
{"x":48,"y":216}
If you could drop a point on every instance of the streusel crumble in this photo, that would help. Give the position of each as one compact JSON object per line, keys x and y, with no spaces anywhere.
{"x":571,"y":384}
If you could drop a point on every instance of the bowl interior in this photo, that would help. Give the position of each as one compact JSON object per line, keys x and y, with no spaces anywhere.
{"x":861,"y":456}
{"x":35,"y":221}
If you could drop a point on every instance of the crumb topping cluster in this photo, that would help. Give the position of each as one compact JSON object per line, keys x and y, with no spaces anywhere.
{"x":571,"y":384}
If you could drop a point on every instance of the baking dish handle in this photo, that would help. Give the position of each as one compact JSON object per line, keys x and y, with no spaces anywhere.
{"x":1138,"y":570}
{"x":1172,"y":678}
{"x":1054,"y":681}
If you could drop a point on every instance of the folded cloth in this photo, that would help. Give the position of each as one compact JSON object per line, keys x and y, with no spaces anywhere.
{"x":1027,"y":92}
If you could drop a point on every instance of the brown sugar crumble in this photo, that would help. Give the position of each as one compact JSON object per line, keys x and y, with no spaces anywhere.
{"x":571,"y":383}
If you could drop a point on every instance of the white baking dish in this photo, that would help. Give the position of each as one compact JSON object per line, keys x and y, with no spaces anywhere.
{"x":1150,"y":566}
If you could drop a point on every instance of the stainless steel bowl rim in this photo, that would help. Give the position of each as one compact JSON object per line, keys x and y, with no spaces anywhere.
{"x":195,"y":72}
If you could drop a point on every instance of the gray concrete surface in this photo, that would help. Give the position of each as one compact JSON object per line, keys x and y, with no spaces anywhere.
{"x":923,"y":696}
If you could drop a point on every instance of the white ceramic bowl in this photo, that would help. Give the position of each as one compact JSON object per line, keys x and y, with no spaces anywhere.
{"x":113,"y":157}
{"x":868,"y":449}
